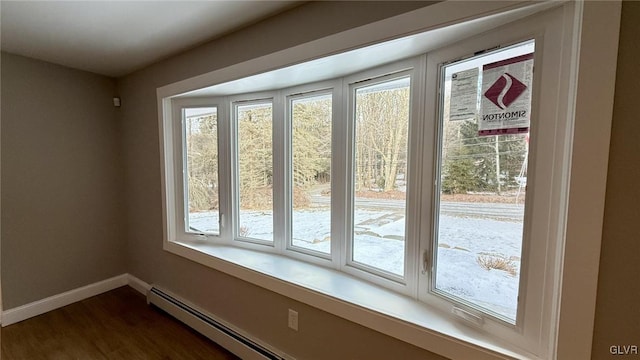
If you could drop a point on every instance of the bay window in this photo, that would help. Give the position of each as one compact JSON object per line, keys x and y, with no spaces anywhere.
{"x":427,"y":177}
{"x":367,"y":136}
{"x":283,"y":148}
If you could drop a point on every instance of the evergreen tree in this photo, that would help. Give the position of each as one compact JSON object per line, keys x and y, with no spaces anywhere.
{"x":255,"y":156}
{"x":457,"y":172}
{"x":470,"y":161}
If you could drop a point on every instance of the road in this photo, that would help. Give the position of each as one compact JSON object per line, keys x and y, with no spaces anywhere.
{"x":513,"y":212}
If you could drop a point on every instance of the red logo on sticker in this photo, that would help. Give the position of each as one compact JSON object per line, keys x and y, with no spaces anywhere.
{"x":505,"y":91}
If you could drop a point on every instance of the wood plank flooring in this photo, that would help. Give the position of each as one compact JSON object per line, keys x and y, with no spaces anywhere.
{"x":115,"y":325}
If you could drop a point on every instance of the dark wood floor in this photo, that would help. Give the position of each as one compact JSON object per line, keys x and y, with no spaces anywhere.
{"x":115,"y":325}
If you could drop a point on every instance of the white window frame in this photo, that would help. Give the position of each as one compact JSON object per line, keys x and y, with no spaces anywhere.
{"x":413,"y":69}
{"x":302,"y":92}
{"x":570,"y":335}
{"x":547,"y":153}
{"x":179,"y":218}
{"x":233,"y":103}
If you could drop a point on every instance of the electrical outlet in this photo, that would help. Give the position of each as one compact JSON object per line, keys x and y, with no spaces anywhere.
{"x":293,"y":320}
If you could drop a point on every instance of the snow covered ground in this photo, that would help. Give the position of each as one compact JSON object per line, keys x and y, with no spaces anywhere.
{"x":378,"y":242}
{"x":461,"y":241}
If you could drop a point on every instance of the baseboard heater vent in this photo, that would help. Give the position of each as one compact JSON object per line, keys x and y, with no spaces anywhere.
{"x":222,"y":334}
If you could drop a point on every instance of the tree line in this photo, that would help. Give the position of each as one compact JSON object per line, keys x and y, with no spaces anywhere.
{"x":381,"y":138}
{"x":473,"y":163}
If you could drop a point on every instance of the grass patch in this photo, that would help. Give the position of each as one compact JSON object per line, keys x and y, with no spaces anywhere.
{"x":497,"y":262}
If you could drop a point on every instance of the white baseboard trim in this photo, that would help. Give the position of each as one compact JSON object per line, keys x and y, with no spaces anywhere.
{"x":39,"y":307}
{"x":138,"y":285}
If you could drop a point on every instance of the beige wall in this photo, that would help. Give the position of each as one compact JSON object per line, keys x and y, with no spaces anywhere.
{"x":61,"y":181}
{"x":618,"y":304}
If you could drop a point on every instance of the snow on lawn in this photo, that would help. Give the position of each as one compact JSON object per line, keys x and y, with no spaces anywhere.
{"x":459,"y":274}
{"x":312,"y":230}
{"x":378,"y":243}
{"x":206,"y":221}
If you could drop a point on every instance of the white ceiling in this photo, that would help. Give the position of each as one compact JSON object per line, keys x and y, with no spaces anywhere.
{"x":115,"y":38}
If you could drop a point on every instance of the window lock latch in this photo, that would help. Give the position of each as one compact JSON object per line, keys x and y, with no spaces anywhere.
{"x":425,"y":262}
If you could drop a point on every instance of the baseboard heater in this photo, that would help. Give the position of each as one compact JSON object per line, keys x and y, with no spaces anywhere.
{"x":219,"y":332}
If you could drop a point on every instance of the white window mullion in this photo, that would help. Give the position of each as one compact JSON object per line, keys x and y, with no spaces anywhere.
{"x":428,"y":183}
{"x":339,"y":175}
{"x":225,"y":169}
{"x":281,"y":182}
{"x":234,"y":199}
{"x":178,"y":168}
{"x":414,"y":227}
{"x":346,"y":182}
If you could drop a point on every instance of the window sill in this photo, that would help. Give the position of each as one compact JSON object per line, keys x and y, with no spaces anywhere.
{"x":353,"y":299}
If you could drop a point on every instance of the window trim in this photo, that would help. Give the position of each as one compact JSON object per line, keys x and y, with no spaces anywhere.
{"x":179,"y":218}
{"x":551,"y":186}
{"x":411,"y":68}
{"x":289,"y":96}
{"x":592,"y":49}
{"x":523,"y":331}
{"x":182,"y":221}
{"x":233,"y":103}
{"x":333,"y":87}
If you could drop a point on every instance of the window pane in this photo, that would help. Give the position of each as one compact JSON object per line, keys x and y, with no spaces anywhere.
{"x":381,"y":139}
{"x":255,"y":171}
{"x":483,"y":172}
{"x":311,"y":152}
{"x":201,"y":173}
